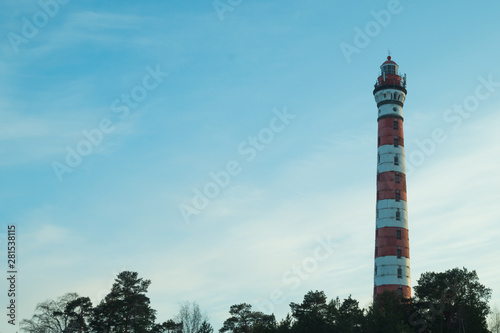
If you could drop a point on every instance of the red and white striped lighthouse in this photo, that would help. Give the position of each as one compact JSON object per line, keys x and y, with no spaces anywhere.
{"x":392,"y":248}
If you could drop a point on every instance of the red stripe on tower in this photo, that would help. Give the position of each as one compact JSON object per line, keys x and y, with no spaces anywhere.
{"x":392,"y":246}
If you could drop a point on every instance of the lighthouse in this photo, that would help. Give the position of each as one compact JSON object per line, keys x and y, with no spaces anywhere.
{"x":392,"y":250}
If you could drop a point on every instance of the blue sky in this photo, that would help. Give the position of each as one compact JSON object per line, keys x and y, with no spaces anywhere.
{"x":220,"y":80}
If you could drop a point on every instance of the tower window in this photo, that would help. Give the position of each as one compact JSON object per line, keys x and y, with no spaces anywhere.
{"x":379,"y":140}
{"x":376,"y":251}
{"x":395,"y":141}
{"x":375,"y":270}
{"x":400,"y":273}
{"x":398,"y":215}
{"x":397,"y":196}
{"x":399,"y":252}
{"x":396,"y":160}
{"x":378,"y":156}
{"x":398,"y":233}
{"x":396,"y":177}
{"x":376,"y":213}
{"x":395,"y":124}
{"x":389,"y":69}
{"x":400,"y":290}
{"x":394,"y":109}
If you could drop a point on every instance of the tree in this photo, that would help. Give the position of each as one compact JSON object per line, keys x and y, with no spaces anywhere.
{"x":453,"y":301}
{"x":311,"y":315}
{"x":191,"y":317}
{"x":349,"y":318}
{"x":168,"y":326}
{"x":126,"y":308}
{"x":285,"y":325}
{"x":51,"y":316}
{"x":389,"y":313}
{"x":240,"y":320}
{"x":79,"y":311}
{"x":205,"y":328}
{"x":494,"y":322}
{"x":244,"y":320}
{"x":263,"y":323}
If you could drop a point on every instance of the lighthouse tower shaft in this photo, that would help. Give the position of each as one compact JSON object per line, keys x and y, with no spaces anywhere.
{"x":392,"y":250}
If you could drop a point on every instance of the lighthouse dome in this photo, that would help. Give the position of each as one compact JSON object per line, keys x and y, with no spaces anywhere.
{"x":389,"y":67}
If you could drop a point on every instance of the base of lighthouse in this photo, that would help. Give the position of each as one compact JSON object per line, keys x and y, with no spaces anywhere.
{"x":405,"y":291}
